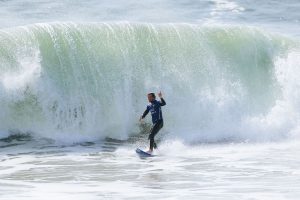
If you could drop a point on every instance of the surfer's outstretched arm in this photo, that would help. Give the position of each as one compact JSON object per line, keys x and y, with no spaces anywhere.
{"x":145,"y":113}
{"x":162,"y":101}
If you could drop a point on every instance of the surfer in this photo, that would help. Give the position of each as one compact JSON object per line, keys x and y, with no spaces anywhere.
{"x":155,"y":108}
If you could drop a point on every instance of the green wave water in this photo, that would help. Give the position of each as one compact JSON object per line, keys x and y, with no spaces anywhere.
{"x":84,"y":81}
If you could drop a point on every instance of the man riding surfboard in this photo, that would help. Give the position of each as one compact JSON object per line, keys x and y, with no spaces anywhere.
{"x":154,"y":107}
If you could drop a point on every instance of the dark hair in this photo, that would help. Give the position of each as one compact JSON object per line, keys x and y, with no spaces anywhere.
{"x":152,"y":94}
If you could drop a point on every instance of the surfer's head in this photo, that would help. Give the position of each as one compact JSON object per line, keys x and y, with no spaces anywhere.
{"x":151,"y":97}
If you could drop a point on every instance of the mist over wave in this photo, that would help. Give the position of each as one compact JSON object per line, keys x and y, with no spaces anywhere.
{"x":86,"y":81}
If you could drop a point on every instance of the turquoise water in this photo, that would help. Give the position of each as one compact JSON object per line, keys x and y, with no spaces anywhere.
{"x":73,"y":83}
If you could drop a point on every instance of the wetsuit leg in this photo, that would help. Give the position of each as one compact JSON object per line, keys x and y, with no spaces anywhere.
{"x":156,"y":127}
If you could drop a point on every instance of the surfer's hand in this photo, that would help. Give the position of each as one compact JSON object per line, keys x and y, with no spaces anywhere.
{"x":160,"y":94}
{"x":141,"y":119}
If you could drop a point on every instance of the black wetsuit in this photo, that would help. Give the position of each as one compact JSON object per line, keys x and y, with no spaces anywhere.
{"x":155,"y":108}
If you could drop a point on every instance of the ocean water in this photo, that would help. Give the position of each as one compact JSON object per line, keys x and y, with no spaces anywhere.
{"x":73,"y":82}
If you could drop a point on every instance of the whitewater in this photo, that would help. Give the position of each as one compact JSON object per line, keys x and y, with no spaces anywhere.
{"x":72,"y":88}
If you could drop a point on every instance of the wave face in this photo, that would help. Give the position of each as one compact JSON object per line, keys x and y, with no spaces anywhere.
{"x":73,"y":81}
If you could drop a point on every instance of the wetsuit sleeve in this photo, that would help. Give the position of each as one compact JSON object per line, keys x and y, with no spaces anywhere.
{"x":145,"y":112}
{"x":162,"y":102}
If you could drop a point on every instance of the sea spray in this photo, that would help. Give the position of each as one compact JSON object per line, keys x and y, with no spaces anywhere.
{"x":74,"y":82}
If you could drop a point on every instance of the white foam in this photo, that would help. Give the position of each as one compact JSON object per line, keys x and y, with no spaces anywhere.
{"x":77,"y":89}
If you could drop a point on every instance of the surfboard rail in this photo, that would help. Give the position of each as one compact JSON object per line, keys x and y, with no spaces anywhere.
{"x":142,"y":153}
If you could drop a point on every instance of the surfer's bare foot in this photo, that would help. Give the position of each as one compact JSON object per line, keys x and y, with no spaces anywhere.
{"x":149,"y":151}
